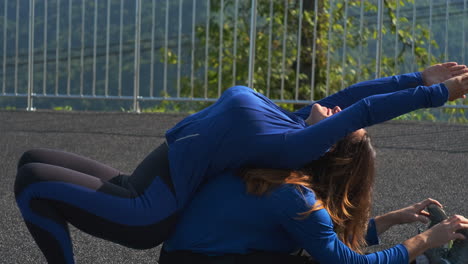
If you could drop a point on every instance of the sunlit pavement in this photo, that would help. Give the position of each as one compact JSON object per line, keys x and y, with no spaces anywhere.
{"x":415,"y":161}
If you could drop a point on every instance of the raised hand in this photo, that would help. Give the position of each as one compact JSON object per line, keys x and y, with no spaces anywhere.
{"x":441,"y":72}
{"x":457,"y":87}
{"x":410,"y":214}
{"x":415,"y":212}
{"x":436,"y":236}
{"x":445,"y":231}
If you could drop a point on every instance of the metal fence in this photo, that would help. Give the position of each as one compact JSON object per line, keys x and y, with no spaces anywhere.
{"x":190,"y":50}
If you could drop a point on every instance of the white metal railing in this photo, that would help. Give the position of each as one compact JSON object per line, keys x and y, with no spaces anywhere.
{"x":189,"y":50}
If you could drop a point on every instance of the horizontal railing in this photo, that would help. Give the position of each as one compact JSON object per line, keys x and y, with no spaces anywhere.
{"x":187,"y":50}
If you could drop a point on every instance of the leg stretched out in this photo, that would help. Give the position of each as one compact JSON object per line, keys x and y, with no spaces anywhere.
{"x":54,"y":188}
{"x":70,"y":161}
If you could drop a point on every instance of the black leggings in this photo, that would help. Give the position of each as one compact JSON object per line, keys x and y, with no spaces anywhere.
{"x":53,"y":188}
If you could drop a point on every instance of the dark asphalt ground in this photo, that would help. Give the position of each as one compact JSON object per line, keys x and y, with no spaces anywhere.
{"x":415,"y":161}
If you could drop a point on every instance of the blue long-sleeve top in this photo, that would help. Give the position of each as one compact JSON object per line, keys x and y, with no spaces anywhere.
{"x":245,"y":128}
{"x":223,"y":219}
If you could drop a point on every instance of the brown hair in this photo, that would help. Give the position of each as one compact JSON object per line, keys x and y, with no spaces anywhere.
{"x":342,"y":180}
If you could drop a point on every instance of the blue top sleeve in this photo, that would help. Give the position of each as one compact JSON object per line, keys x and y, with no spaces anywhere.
{"x":356,"y":92}
{"x":372,"y":237}
{"x":304,"y":145}
{"x":316,"y":232}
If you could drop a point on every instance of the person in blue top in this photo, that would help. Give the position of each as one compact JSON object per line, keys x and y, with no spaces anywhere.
{"x":264,"y":215}
{"x":243,"y":128}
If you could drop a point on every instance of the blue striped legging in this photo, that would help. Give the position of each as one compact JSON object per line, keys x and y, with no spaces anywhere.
{"x":53,"y":188}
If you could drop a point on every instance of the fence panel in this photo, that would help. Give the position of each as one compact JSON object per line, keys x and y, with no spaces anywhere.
{"x":293,"y":51}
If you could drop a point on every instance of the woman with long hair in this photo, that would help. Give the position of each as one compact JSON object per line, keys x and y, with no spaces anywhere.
{"x":266,"y":214}
{"x":54,"y":188}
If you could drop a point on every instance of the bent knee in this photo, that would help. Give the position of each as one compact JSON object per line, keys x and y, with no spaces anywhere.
{"x":29,"y":156}
{"x":27,"y":174}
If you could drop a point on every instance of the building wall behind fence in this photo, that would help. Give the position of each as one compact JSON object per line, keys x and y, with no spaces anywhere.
{"x":127,"y":52}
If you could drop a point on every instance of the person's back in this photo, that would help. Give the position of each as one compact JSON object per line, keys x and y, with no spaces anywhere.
{"x":224,"y":219}
{"x":242,"y":121}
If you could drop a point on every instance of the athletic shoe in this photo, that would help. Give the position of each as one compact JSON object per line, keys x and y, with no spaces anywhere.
{"x":458,"y":254}
{"x":437,"y":215}
{"x":437,"y":255}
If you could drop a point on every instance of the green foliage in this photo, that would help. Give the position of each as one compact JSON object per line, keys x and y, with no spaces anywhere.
{"x":450,"y":115}
{"x":171,"y":107}
{"x":8,"y":108}
{"x":275,"y":72}
{"x":63,"y":108}
{"x":419,"y":115}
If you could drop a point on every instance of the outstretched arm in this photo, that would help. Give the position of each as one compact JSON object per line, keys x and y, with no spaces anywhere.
{"x":316,"y":234}
{"x":312,"y":142}
{"x":432,"y":75}
{"x":436,"y":236}
{"x":294,"y":148}
{"x":410,"y":214}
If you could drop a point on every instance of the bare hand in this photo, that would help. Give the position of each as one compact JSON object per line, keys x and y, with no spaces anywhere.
{"x":415,"y":212}
{"x":436,"y":236}
{"x":441,"y":72}
{"x":457,"y":87}
{"x":445,"y":231}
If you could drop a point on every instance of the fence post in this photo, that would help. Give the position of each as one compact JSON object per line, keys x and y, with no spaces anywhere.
{"x":17,"y":45}
{"x":447,"y":17}
{"x":298,"y":58}
{"x":330,"y":23}
{"x":253,"y":33}
{"x":283,"y":54}
{"x":314,"y":50}
{"x":136,"y":86}
{"x":31,"y":56}
{"x":378,"y":59}
{"x":5,"y":27}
